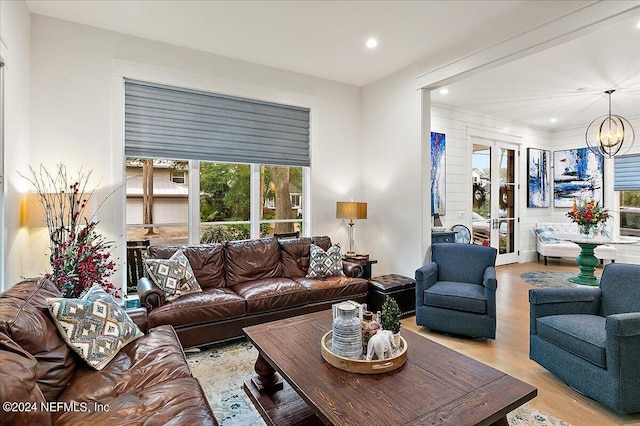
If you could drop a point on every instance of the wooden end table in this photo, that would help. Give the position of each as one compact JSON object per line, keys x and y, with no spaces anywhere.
{"x":296,"y":386}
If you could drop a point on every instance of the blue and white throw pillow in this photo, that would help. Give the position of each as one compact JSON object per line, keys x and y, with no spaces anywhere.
{"x":94,"y":326}
{"x":546,"y":235}
{"x":174,"y":275}
{"x":324,"y":264}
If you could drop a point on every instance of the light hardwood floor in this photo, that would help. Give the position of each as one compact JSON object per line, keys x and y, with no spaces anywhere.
{"x":509,"y":352}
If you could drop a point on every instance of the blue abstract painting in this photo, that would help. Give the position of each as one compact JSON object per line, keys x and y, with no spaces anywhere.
{"x":538,"y":179}
{"x":438,"y":174}
{"x":577,"y":174}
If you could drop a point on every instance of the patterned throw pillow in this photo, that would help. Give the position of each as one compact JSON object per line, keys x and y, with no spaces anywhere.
{"x":174,"y":275}
{"x":94,"y":326}
{"x":546,"y":235}
{"x":322,"y":264}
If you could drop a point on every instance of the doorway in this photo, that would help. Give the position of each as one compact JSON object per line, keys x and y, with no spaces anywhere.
{"x":495,"y":196}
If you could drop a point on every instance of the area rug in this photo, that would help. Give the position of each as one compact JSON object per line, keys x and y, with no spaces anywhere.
{"x":550,"y":278}
{"x":222,"y":369}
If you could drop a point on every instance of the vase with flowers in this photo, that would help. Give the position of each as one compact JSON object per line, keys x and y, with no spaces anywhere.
{"x":80,"y":255}
{"x":589,"y":215}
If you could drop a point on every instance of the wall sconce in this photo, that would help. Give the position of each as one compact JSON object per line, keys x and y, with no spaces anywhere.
{"x":351,"y":210}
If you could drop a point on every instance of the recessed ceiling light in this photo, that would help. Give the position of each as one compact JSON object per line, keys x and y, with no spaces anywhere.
{"x":372,"y":43}
{"x":554,"y":120}
{"x":444,"y":91}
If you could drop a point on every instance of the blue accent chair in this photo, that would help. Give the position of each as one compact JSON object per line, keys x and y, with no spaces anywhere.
{"x":456,"y":292}
{"x":589,"y":337}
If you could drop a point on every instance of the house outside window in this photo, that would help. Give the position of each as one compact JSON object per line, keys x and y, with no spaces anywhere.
{"x":630,"y":213}
{"x":228,"y":195}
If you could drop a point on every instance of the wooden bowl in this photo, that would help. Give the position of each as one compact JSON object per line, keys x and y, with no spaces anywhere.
{"x":362,"y":366}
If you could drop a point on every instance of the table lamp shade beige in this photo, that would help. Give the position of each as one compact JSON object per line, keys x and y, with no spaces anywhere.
{"x":33,"y":214}
{"x":351,"y":210}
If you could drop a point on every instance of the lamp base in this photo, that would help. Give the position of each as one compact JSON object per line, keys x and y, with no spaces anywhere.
{"x":350,"y":254}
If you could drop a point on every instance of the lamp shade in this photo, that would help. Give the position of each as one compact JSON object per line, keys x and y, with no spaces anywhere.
{"x":35,"y":216}
{"x":351,"y":210}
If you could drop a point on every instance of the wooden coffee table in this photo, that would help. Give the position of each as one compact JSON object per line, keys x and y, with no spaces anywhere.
{"x":435,"y":386}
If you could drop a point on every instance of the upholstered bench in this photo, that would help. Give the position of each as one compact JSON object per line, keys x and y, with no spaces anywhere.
{"x":552,"y":241}
{"x":399,"y":287}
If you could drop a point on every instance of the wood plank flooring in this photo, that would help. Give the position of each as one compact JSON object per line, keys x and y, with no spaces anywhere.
{"x":509,"y":352}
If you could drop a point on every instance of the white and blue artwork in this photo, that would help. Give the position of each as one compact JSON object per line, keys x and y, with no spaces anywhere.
{"x":577,"y":174}
{"x":538,"y":180}
{"x":438,"y":174}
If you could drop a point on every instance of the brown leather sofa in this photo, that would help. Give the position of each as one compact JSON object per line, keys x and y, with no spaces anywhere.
{"x":245,"y":283}
{"x":43,"y":382}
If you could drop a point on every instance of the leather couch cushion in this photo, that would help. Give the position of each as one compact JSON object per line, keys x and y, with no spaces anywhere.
{"x":18,"y":384}
{"x":271,"y":294}
{"x":456,"y":295}
{"x":146,"y":362}
{"x":212,"y":304}
{"x":335,"y":287}
{"x":178,"y":402}
{"x":252,"y":260}
{"x":25,"y":318}
{"x":295,"y":257}
{"x":206,"y":260}
{"x":582,"y":335}
{"x":322,"y":241}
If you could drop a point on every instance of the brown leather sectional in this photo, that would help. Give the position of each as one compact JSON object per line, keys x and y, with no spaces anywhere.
{"x":246,"y":283}
{"x":43,"y":382}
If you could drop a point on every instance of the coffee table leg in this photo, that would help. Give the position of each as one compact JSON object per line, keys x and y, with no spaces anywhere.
{"x":267,"y":378}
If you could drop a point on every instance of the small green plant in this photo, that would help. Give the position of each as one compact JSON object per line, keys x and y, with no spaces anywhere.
{"x":390,"y":315}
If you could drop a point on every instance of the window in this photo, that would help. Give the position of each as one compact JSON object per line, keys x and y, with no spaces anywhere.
{"x":225,"y":202}
{"x":178,"y":176}
{"x":630,"y":213}
{"x":627,"y":183}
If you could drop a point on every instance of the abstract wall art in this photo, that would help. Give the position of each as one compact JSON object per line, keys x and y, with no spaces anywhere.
{"x":438,"y":174}
{"x":538,"y":178}
{"x":577,"y":174}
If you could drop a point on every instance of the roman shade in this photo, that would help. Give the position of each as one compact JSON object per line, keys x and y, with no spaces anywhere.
{"x":626,"y":176}
{"x":177,"y":123}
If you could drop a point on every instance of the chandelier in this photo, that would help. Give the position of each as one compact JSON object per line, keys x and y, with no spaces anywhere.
{"x":607,"y":133}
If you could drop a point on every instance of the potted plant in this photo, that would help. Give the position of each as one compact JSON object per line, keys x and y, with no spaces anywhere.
{"x":390,"y":318}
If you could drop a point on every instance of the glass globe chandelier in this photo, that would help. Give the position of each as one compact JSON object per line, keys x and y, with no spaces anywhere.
{"x":607,"y":133}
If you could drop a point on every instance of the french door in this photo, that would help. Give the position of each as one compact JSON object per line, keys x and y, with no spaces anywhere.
{"x":494,"y":196}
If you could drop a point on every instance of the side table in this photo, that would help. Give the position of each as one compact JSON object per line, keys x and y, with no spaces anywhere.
{"x":399,"y":287}
{"x":443,"y":237}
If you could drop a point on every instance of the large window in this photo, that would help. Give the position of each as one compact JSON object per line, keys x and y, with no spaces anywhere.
{"x":627,"y":183}
{"x":235,"y":201}
{"x":630,"y":213}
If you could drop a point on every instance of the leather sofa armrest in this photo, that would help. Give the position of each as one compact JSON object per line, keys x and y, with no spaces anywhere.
{"x":150,"y":295}
{"x":139,"y":316}
{"x":352,"y":269}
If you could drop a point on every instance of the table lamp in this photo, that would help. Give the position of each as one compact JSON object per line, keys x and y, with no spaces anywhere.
{"x":351,"y":210}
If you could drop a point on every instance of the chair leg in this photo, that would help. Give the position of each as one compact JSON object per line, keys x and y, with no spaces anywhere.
{"x":545,"y":261}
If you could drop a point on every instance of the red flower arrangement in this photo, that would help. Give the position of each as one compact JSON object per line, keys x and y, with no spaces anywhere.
{"x":588,"y":215}
{"x":80,"y":256}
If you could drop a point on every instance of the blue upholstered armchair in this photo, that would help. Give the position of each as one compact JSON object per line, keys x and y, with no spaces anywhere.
{"x":456,"y":292}
{"x":590,"y":336}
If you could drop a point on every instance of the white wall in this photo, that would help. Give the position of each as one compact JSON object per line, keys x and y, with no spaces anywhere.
{"x":15,"y":49}
{"x":77,"y":106}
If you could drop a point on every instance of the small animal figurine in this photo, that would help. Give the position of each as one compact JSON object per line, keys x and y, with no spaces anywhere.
{"x":382,"y":344}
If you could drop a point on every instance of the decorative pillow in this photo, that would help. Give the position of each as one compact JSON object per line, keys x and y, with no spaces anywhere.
{"x":322,"y":264}
{"x":546,"y":235}
{"x":174,"y":275}
{"x":94,"y":326}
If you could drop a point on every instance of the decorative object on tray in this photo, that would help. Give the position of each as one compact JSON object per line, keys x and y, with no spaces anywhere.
{"x":362,"y":366}
{"x":390,"y":318}
{"x":369,"y":327}
{"x":80,"y":256}
{"x":347,"y":332}
{"x":381,"y":345}
{"x":589,"y":216}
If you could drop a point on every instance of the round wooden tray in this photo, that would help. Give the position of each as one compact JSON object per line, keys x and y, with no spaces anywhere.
{"x":363,"y":366}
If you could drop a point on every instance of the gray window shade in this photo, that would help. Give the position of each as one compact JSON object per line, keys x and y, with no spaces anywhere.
{"x":171,"y":122}
{"x":626,"y":173}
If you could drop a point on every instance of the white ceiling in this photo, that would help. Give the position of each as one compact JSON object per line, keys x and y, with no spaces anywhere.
{"x":326,"y":39}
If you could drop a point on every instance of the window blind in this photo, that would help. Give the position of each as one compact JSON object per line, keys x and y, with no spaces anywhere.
{"x":626,"y":176}
{"x":171,"y":122}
